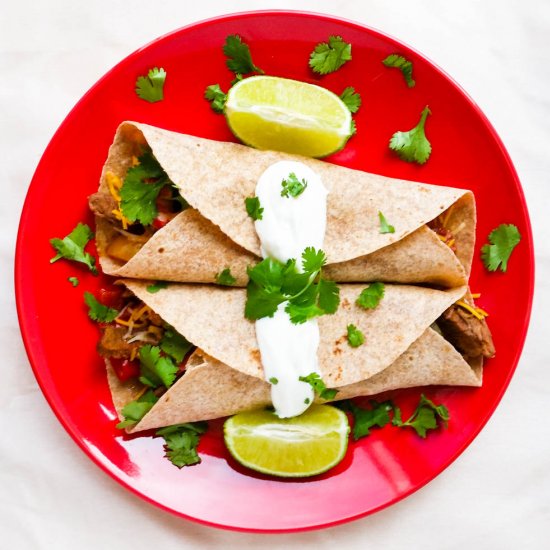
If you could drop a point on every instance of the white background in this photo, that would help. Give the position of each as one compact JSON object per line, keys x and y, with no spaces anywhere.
{"x":496,"y":495}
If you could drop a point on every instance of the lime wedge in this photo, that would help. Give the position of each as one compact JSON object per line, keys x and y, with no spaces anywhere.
{"x":302,"y":446}
{"x":268,"y":112}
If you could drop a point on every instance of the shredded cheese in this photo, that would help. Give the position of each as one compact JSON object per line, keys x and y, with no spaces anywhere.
{"x":141,"y":392}
{"x":477,"y":312}
{"x":133,"y":354}
{"x":476,"y":296}
{"x":114,"y":183}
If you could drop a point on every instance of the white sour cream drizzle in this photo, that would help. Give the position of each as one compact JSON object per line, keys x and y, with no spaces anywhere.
{"x":288,"y":226}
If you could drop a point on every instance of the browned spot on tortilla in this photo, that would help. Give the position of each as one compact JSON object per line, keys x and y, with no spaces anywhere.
{"x":337,"y":350}
{"x":255,"y":354}
{"x":345,"y":303}
{"x":161,"y":250}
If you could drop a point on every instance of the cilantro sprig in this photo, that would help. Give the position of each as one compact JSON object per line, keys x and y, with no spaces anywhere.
{"x":364,"y":419}
{"x":355,"y":337}
{"x":329,"y":56}
{"x":181,"y":442}
{"x":72,"y":247}
{"x":155,"y":369}
{"x":351,"y":99}
{"x":225,"y":278}
{"x":427,"y":416}
{"x":292,"y":186}
{"x":134,"y":411}
{"x":254,"y":208}
{"x":239,"y":59}
{"x":140,"y":189}
{"x":413,"y":146}
{"x":385,"y":227}
{"x":319,"y":387}
{"x":503,"y":240}
{"x":174,"y":344}
{"x":404,"y":65}
{"x":98,"y":311}
{"x":217,"y":97}
{"x":151,"y":87}
{"x":370,"y":297}
{"x":306,"y":293}
{"x":153,"y":288}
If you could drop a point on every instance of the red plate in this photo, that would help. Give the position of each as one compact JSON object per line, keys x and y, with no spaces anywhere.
{"x":60,"y":340}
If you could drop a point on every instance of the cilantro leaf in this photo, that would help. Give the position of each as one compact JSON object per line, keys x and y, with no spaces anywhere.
{"x":503,"y":240}
{"x":72,"y":246}
{"x":413,"y":146}
{"x":174,"y":344}
{"x":141,"y":188}
{"x":425,"y":417}
{"x":315,"y":381}
{"x":181,"y":442}
{"x":307,"y":294}
{"x":151,"y":87}
{"x":292,"y":186}
{"x":353,"y":128}
{"x":399,"y":62}
{"x":216,"y":96}
{"x":370,"y":297}
{"x":134,"y":411}
{"x":73,"y":280}
{"x":225,"y":278}
{"x":238,"y":56}
{"x":97,"y":311}
{"x":366,"y":419}
{"x":313,"y":260}
{"x":156,"y":370}
{"x":155,"y":287}
{"x":385,"y":227}
{"x":329,"y":57}
{"x":273,"y":380}
{"x":329,"y":295}
{"x":355,"y":337}
{"x":351,"y":99}
{"x":253,"y":208}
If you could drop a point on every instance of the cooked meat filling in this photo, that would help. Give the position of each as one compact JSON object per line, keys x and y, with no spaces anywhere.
{"x":469,"y":335}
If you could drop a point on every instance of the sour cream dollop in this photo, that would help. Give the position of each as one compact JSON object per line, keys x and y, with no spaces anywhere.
{"x":288,"y":226}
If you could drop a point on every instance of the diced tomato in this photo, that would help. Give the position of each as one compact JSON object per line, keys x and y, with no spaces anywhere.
{"x":159,"y":223}
{"x":112,"y":296}
{"x":125,"y":369}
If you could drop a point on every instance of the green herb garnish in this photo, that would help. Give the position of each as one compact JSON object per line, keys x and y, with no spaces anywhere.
{"x":355,"y":337}
{"x":273,"y":380}
{"x":72,"y":246}
{"x":328,"y":57}
{"x":97,"y":311}
{"x":307,"y":294}
{"x":141,"y":188}
{"x":425,"y":417}
{"x":503,"y":240}
{"x":153,"y":288}
{"x":351,"y":99}
{"x":399,"y":62}
{"x":216,"y":96}
{"x":315,"y":381}
{"x":174,"y":344}
{"x":292,"y":186}
{"x":73,"y":280}
{"x":151,"y":87}
{"x":370,"y":297}
{"x":413,"y":146}
{"x":134,"y":411}
{"x":156,"y":369}
{"x":385,"y":227}
{"x":253,"y":208}
{"x":225,"y":278}
{"x":366,"y":419}
{"x":238,"y":56}
{"x":181,"y":442}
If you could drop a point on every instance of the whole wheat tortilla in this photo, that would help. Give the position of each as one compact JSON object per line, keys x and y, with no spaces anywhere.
{"x":210,"y":389}
{"x":216,"y":177}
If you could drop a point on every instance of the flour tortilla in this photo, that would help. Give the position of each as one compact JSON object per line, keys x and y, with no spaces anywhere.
{"x":225,"y":375}
{"x":216,"y":233}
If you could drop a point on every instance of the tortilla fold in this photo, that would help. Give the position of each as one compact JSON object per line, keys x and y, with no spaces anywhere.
{"x":216,"y":233}
{"x":225,"y":376}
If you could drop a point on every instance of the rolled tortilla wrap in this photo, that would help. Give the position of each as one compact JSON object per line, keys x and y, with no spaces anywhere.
{"x":216,"y":233}
{"x":225,"y":375}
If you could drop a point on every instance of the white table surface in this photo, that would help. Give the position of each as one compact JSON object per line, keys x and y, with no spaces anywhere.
{"x":496,"y":495}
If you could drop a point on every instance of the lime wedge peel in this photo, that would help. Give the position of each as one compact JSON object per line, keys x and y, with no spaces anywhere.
{"x":303,"y":446}
{"x":268,"y":112}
